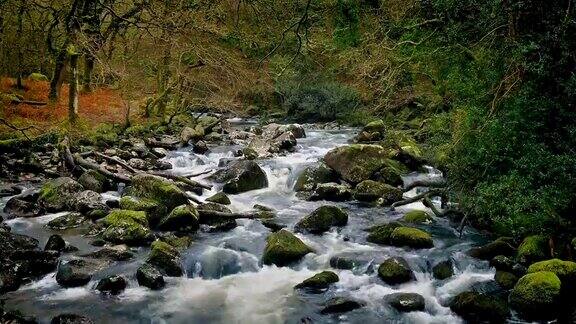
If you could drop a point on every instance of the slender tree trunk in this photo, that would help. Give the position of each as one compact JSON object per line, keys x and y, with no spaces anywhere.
{"x":20,"y":55}
{"x":88,"y":69}
{"x":58,"y":76}
{"x":164,"y":79}
{"x":73,"y":93}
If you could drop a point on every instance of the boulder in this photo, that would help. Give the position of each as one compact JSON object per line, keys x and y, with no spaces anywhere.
{"x":370,"y":190}
{"x":23,"y":206}
{"x":113,"y":285}
{"x":148,"y":276}
{"x":373,"y":131}
{"x":501,"y":262}
{"x":183,"y":218}
{"x":283,"y":248}
{"x":319,"y":281}
{"x":411,"y":237}
{"x":93,"y":180}
{"x":166,"y":193}
{"x":314,"y":175}
{"x":417,"y":217}
{"x":536,"y":296}
{"x":356,"y":163}
{"x":410,"y":156}
{"x":322,"y":219}
{"x":219,"y":198}
{"x":241,"y":176}
{"x":341,"y":305}
{"x":88,"y":200}
{"x":59,"y":194}
{"x":487,"y":252}
{"x":406,"y":302}
{"x":188,"y":133}
{"x":395,"y":271}
{"x":127,"y":227}
{"x":216,"y":223}
{"x":166,"y":259}
{"x":74,"y":273}
{"x":71,"y":319}
{"x":480,"y":308}
{"x":113,"y":253}
{"x":68,"y":221}
{"x":505,"y":279}
{"x":443,"y":270}
{"x":200,"y":147}
{"x":155,"y":211}
{"x":380,"y":234}
{"x":331,"y":192}
{"x":532,"y":249}
{"x":565,"y":270}
{"x":55,"y":243}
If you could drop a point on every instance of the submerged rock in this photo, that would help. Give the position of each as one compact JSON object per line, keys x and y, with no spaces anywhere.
{"x":341,"y":305}
{"x":59,"y":194}
{"x":283,"y":248}
{"x":68,"y":221}
{"x":322,"y":219}
{"x":113,"y":285}
{"x":406,"y":302}
{"x":241,"y":176}
{"x":166,"y":259}
{"x":443,"y":270}
{"x":411,"y":237}
{"x":537,"y":295}
{"x":319,"y":281}
{"x":480,"y":308}
{"x":356,"y":163}
{"x":370,"y":190}
{"x":395,"y":271}
{"x":148,"y":276}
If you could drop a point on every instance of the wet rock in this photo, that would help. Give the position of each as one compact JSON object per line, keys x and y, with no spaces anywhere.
{"x":322,"y":219}
{"x":74,"y":273}
{"x":7,"y":190}
{"x":443,"y":270}
{"x":162,"y":165}
{"x":55,"y":243}
{"x":166,"y":259}
{"x":93,"y":180}
{"x":356,"y":163}
{"x":370,"y":190}
{"x":283,"y":248}
{"x":480,"y":308}
{"x":395,"y":271}
{"x":537,"y":295}
{"x":200,"y":147}
{"x":380,"y":234}
{"x":565,"y":270}
{"x":148,"y":276}
{"x":406,"y":302}
{"x":503,"y":263}
{"x":331,"y":192}
{"x":411,"y":237}
{"x":65,"y":222}
{"x":183,"y":218}
{"x":138,"y":164}
{"x":505,"y":279}
{"x":71,"y":319}
{"x":127,"y":227}
{"x":59,"y":194}
{"x":113,"y":253}
{"x":219,"y":198}
{"x":533,"y":248}
{"x":216,"y":263}
{"x":341,"y":305}
{"x":154,"y":210}
{"x":241,"y":176}
{"x":166,"y":193}
{"x":314,"y":175}
{"x":373,"y":131}
{"x":272,"y":225}
{"x":489,"y":251}
{"x":417,"y":217}
{"x":188,"y":133}
{"x":88,"y":200}
{"x":160,"y":152}
{"x":319,"y":281}
{"x":113,"y":285}
{"x":23,"y":206}
{"x":215,"y":223}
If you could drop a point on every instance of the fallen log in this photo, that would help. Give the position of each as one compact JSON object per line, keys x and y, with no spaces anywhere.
{"x":212,"y":213}
{"x":428,"y":203}
{"x":93,"y":166}
{"x":415,"y":198}
{"x":182,"y":179}
{"x":441,"y":183}
{"x":166,"y":145}
{"x":117,"y":161}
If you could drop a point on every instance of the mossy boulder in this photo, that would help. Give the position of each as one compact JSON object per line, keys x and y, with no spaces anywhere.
{"x":165,"y":258}
{"x":319,"y":281}
{"x":476,"y":307}
{"x":380,"y":234}
{"x":487,"y":252}
{"x":443,"y":270}
{"x":331,"y":191}
{"x":370,"y":190}
{"x":322,"y":219}
{"x":183,"y":218}
{"x":411,"y":237}
{"x":241,"y":176}
{"x":59,"y":194}
{"x":155,"y":211}
{"x":148,"y":276}
{"x":166,"y":193}
{"x":537,"y":295}
{"x":356,"y":163}
{"x":314,"y":175}
{"x":127,"y":227}
{"x":219,"y":198}
{"x":216,"y":223}
{"x":565,"y":270}
{"x":391,"y":173}
{"x":94,"y":180}
{"x":395,"y":271}
{"x":505,"y":279}
{"x":417,"y":217}
{"x":68,"y":221}
{"x":533,"y":248}
{"x":283,"y":248}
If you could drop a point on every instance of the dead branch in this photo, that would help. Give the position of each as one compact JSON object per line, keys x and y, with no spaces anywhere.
{"x":415,"y":198}
{"x":440,"y":183}
{"x":93,"y":166}
{"x":204,"y":213}
{"x":182,"y":179}
{"x":117,"y":161}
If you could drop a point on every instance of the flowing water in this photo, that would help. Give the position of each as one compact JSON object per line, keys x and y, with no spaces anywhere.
{"x":225,"y":281}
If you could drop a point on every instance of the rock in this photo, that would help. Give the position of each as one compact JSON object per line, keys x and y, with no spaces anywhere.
{"x":406,"y":302}
{"x":160,"y":152}
{"x":127,"y":227}
{"x":166,"y":193}
{"x":314,"y":175}
{"x":410,"y":156}
{"x":74,"y":273}
{"x":319,"y":281}
{"x":155,"y":211}
{"x":532,"y":249}
{"x":65,"y":222}
{"x":183,"y":218}
{"x":331,"y":192}
{"x":71,"y":319}
{"x":373,"y":131}
{"x":23,"y":206}
{"x":272,"y":225}
{"x":537,"y":295}
{"x":492,"y":249}
{"x":166,"y":259}
{"x":188,"y":133}
{"x":148,"y":276}
{"x":411,"y":237}
{"x":505,"y":279}
{"x":417,"y":217}
{"x":356,"y":163}
{"x":113,"y":285}
{"x":370,"y":190}
{"x":55,"y":243}
{"x":352,"y":261}
{"x":215,"y":223}
{"x":200,"y":147}
{"x":7,"y":190}
{"x":341,"y":305}
{"x":480,"y":308}
{"x":59,"y":194}
{"x":501,"y":262}
{"x":391,"y":173}
{"x":93,"y":180}
{"x":565,"y":270}
{"x":219,"y":198}
{"x":138,"y":164}
{"x":380,"y":234}
{"x":241,"y":176}
{"x":283,"y":248}
{"x":88,"y":200}
{"x":443,"y":270}
{"x":113,"y":253}
{"x":322,"y":219}
{"x":395,"y":271}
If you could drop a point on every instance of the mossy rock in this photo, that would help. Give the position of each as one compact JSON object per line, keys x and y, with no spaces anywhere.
{"x":565,"y":270}
{"x":505,"y":279}
{"x":411,"y":237}
{"x":476,"y":307}
{"x":395,"y":271}
{"x":145,"y":186}
{"x":370,"y":190}
{"x":183,"y":218}
{"x":391,"y":173}
{"x":331,"y":191}
{"x":533,"y":248}
{"x":65,"y":222}
{"x":356,"y":163}
{"x":219,"y":198}
{"x":38,"y":77}
{"x":59,"y":194}
{"x":537,"y":295}
{"x":406,"y":302}
{"x":283,"y":248}
{"x":380,"y":234}
{"x":487,"y":252}
{"x":417,"y":217}
{"x":322,"y":219}
{"x":503,"y":263}
{"x":314,"y":175}
{"x":127,"y":227}
{"x":165,"y":258}
{"x":375,"y":126}
{"x":320,"y":280}
{"x":93,"y":180}
{"x":443,"y":270}
{"x":154,"y":210}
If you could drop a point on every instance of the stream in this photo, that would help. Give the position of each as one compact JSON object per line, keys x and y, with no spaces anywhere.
{"x":225,"y":281}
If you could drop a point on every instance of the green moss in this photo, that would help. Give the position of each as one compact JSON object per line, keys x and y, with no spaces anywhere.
{"x":411,"y":237}
{"x":155,"y":188}
{"x":533,"y":248}
{"x":417,"y":217}
{"x":395,"y":271}
{"x":322,"y":219}
{"x":127,"y":227}
{"x":505,"y":279}
{"x":380,"y":234}
{"x":59,"y":194}
{"x":283,"y":248}
{"x":537,"y":294}
{"x":370,"y":190}
{"x":565,"y":270}
{"x":154,"y":210}
{"x":119,"y":216}
{"x":219,"y":198}
{"x":181,"y":218}
{"x":180,"y":243}
{"x":443,"y":270}
{"x":375,"y":126}
{"x":320,"y":280}
{"x":358,"y":162}
{"x":166,"y":258}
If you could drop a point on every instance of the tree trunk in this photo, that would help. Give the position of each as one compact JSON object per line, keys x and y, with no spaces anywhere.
{"x":73,"y":93}
{"x":88,"y":68}
{"x":58,"y":76}
{"x":20,"y":55}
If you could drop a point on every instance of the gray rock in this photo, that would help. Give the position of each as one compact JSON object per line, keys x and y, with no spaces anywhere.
{"x":148,"y":276}
{"x":406,"y":302}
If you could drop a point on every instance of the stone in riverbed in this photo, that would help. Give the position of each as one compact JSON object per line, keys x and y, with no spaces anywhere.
{"x":322,"y":219}
{"x":154,"y":210}
{"x":71,"y":319}
{"x":314,"y":175}
{"x":534,"y":248}
{"x":219,"y":198}
{"x":113,"y":285}
{"x":148,"y":276}
{"x":55,"y":243}
{"x":565,"y":270}
{"x":411,"y":237}
{"x":319,"y":281}
{"x":341,"y":305}
{"x":216,"y":223}
{"x":356,"y":163}
{"x":23,"y":206}
{"x":74,"y":273}
{"x":443,"y":270}
{"x":283,"y":248}
{"x":94,"y":180}
{"x":68,"y":221}
{"x":503,"y":263}
{"x":183,"y":218}
{"x":417,"y":217}
{"x":536,"y":296}
{"x":505,"y":279}
{"x":331,"y":192}
{"x":480,"y":308}
{"x":59,"y":194}
{"x":500,"y":246}
{"x":127,"y":227}
{"x":241,"y":176}
{"x":113,"y":253}
{"x":380,"y":234}
{"x":406,"y":302}
{"x":395,"y":271}
{"x":88,"y":200}
{"x":166,"y":193}
{"x":166,"y":259}
{"x":370,"y":190}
